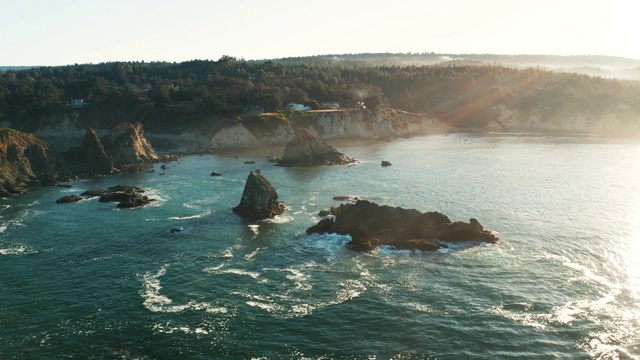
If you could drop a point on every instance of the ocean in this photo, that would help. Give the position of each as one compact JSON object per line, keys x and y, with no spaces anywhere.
{"x":88,"y":280}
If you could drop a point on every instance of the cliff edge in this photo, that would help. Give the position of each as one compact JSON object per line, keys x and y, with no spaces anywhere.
{"x":23,"y":160}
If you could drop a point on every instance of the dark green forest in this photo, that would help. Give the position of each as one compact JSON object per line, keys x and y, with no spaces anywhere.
{"x":162,"y":94}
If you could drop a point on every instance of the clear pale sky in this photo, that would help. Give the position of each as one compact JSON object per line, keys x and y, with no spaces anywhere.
{"x":60,"y":32}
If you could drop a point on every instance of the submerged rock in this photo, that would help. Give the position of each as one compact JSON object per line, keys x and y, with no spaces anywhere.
{"x":371,"y":225}
{"x":69,"y":199}
{"x":305,"y":149}
{"x":346,"y":198}
{"x":259,"y":198}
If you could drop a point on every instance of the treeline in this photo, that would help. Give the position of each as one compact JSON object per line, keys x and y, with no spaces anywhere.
{"x":462,"y":95}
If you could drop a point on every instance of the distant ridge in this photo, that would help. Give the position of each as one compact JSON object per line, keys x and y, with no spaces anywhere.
{"x":14,"y":68}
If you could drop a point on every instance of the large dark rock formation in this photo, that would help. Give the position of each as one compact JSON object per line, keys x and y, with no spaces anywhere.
{"x":126,"y":145}
{"x":371,"y":225}
{"x":306,"y":149}
{"x":123,"y":148}
{"x":259,"y":198}
{"x":93,"y":153}
{"x":23,"y":159}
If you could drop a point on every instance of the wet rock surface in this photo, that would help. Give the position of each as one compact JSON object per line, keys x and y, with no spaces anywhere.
{"x":371,"y":225}
{"x":259,"y":198}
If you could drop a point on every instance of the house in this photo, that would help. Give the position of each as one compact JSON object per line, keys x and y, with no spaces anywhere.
{"x":76,"y":103}
{"x":298,"y":107}
{"x":330,"y":105}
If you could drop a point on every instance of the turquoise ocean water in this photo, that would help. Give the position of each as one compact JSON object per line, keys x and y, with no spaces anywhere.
{"x":87,"y":280}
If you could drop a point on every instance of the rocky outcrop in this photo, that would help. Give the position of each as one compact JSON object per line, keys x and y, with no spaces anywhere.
{"x":23,"y":159}
{"x":92,"y":151}
{"x":126,"y":196}
{"x":371,"y":225}
{"x":306,"y":149}
{"x":259,"y":198}
{"x":126,"y":145}
{"x":69,"y":199}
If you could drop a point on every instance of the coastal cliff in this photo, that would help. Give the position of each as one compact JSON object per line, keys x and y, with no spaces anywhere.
{"x":621,"y":123}
{"x":336,"y":124}
{"x":26,"y":160}
{"x":23,"y":159}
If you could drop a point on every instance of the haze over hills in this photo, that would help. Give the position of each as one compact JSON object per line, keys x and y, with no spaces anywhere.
{"x":482,"y":92}
{"x":593,"y":65}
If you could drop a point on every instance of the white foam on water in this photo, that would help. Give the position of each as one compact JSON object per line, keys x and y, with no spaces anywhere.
{"x":16,"y":250}
{"x":227,"y":253}
{"x":330,"y":243}
{"x":268,"y":307}
{"x":197,"y":216}
{"x":254,"y":228}
{"x":167,"y":328}
{"x":190,"y":206}
{"x":213,"y":269}
{"x":279,"y":219}
{"x":249,"y":257}
{"x":299,"y":279}
{"x":419,"y":307}
{"x":351,"y":289}
{"x":538,"y":321}
{"x":156,"y":302}
{"x":302,"y":309}
{"x":220,"y":271}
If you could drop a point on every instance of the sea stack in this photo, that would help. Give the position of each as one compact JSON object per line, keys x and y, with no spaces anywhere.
{"x":126,"y":145}
{"x":92,"y":151}
{"x":305,"y":149}
{"x":259,"y":198}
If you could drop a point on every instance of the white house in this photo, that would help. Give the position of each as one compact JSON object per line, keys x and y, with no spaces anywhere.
{"x":299,"y":107}
{"x":76,"y":103}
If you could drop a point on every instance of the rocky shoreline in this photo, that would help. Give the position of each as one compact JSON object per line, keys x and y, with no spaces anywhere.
{"x":27,"y":160}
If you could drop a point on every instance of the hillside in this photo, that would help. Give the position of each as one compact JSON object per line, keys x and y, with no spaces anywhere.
{"x":465,"y":92}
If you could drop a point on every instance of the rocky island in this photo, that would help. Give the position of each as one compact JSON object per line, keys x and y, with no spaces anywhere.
{"x":371,"y":225}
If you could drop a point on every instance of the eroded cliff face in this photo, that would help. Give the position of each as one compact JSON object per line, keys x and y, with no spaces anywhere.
{"x":619,"y":124}
{"x":126,"y":145}
{"x":236,"y":136}
{"x":67,"y":124}
{"x":369,"y":124}
{"x":347,"y":124}
{"x":23,"y":158}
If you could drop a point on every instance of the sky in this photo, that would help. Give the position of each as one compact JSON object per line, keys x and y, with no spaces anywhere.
{"x":62,"y":32}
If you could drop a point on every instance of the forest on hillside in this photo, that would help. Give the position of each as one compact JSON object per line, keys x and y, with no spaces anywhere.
{"x":463,"y":94}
